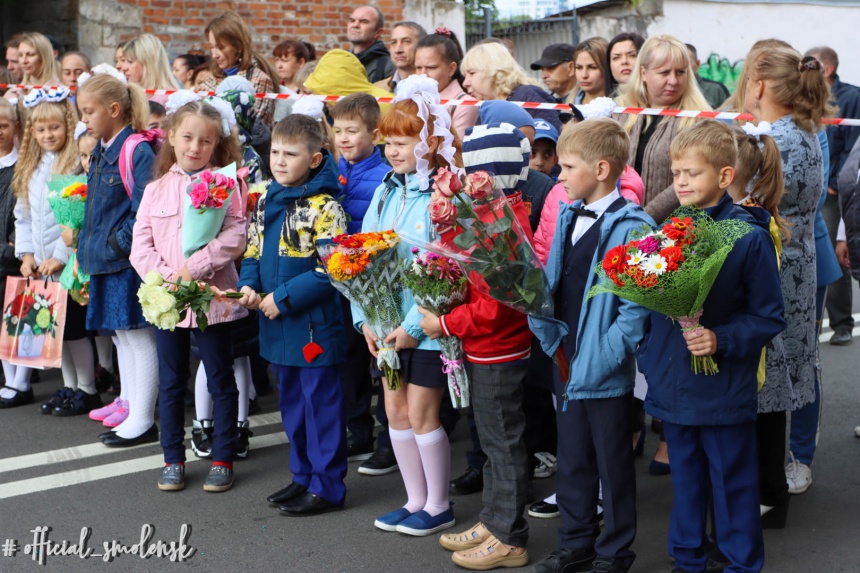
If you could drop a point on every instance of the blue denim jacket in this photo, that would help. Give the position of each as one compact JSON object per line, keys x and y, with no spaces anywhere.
{"x":104,"y":242}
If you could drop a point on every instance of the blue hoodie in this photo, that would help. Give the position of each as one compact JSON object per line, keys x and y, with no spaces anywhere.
{"x":360,"y":181}
{"x":745,"y":311}
{"x":282,"y":259}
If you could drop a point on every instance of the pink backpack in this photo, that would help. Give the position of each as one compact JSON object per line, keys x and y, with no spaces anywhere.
{"x":154,"y":137}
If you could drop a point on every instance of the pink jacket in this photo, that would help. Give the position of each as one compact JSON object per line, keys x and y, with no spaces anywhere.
{"x":157,"y":243}
{"x":632,"y":189}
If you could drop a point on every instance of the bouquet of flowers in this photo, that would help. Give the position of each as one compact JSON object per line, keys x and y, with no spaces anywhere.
{"x":206,"y":202}
{"x":481,"y":232}
{"x":438,"y":284}
{"x":364,"y":267}
{"x":671,"y":270}
{"x":31,"y":311}
{"x":165,"y":308}
{"x":67,"y":195}
{"x":255,"y":191}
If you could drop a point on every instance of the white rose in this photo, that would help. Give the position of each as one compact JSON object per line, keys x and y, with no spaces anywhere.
{"x":168,"y":320}
{"x":154,"y":278}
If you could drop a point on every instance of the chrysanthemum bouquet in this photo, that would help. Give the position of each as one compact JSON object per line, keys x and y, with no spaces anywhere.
{"x":365,"y":268}
{"x":67,"y":196}
{"x":437,"y":284}
{"x":165,"y":308}
{"x":671,"y":270}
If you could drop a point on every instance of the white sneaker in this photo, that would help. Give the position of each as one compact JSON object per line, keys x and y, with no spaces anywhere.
{"x":798,"y":475}
{"x":546,"y":465}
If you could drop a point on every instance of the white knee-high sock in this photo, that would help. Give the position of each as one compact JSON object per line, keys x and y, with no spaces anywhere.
{"x":82,"y":363}
{"x":411,"y":469}
{"x":104,"y":348}
{"x":122,"y":368}
{"x":17,"y":377}
{"x":436,"y":461}
{"x":202,"y":398}
{"x":67,"y":365}
{"x":140,"y":353}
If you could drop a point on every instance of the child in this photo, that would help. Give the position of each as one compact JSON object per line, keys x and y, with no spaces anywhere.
{"x":86,"y":144}
{"x":710,"y":421}
{"x":362,"y":169}
{"x":198,"y":139}
{"x":598,"y":338}
{"x":302,"y":307}
{"x":157,"y":115}
{"x":543,"y":157}
{"x":16,"y":390}
{"x":112,"y":112}
{"x":48,"y":147}
{"x":420,"y":443}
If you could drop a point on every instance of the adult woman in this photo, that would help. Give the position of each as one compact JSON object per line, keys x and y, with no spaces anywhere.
{"x":790,"y":92}
{"x":290,"y":55}
{"x":589,"y":65}
{"x":437,"y":56}
{"x":233,"y":54}
{"x":620,"y":60}
{"x":73,"y":65}
{"x":145,"y":63}
{"x":491,"y":72}
{"x":184,"y":66}
{"x":36,"y":58}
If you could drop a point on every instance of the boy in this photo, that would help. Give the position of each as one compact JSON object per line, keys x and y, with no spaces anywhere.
{"x":710,"y":421}
{"x":301,"y":314}
{"x":598,"y":338}
{"x":544,"y":158}
{"x":157,"y":115}
{"x":362,"y":170}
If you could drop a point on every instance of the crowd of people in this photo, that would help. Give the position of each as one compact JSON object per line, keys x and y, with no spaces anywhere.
{"x":580,"y":181}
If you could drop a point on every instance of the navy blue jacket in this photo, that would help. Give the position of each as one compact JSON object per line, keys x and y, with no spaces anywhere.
{"x":104,"y":242}
{"x":842,"y":137}
{"x":744,"y":310}
{"x":360,"y":181}
{"x":282,"y":259}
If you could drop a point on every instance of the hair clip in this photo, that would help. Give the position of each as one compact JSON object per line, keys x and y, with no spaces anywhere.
{"x":442,"y":30}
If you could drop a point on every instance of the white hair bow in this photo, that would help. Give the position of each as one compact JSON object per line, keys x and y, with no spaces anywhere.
{"x":598,"y":107}
{"x":309,"y":105}
{"x":763,"y":128}
{"x":179,"y":98}
{"x":102,"y":69}
{"x":80,"y":130}
{"x":225,"y":110}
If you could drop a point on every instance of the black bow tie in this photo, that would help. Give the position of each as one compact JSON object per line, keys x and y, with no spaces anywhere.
{"x":582,"y":212}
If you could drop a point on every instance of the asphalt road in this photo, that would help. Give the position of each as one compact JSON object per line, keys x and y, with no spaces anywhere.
{"x":54,"y":474}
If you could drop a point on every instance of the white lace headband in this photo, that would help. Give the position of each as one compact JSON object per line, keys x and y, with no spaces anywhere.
{"x":763,"y":128}
{"x":424,"y":92}
{"x":224,"y":109}
{"x":53,"y":95}
{"x":102,"y":69}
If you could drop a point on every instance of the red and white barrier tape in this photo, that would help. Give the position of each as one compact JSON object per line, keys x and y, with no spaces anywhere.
{"x":853,"y":122}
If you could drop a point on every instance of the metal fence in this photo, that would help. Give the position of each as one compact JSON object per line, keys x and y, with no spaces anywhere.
{"x":528,"y":38}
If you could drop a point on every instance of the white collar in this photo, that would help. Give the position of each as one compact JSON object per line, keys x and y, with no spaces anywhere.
{"x":9,"y":159}
{"x":601,"y":205}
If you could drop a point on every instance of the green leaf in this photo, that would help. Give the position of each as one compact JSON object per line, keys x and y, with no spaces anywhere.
{"x":465,"y":240}
{"x":183,"y":314}
{"x":202,"y":321}
{"x":527,"y":295}
{"x":499,"y":226}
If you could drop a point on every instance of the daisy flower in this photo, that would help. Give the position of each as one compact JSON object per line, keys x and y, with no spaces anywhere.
{"x":635,"y":259}
{"x":654,"y":265}
{"x":667,"y":242}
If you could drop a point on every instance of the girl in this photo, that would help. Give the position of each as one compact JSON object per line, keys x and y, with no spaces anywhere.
{"x":16,"y":391}
{"x":438,"y":57}
{"x":183,"y":68}
{"x":419,"y":441}
{"x":112,"y":112}
{"x":145,"y":63}
{"x":47,"y":148}
{"x":198,"y":138}
{"x":589,"y":61}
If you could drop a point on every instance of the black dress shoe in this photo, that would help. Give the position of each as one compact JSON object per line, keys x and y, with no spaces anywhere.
{"x":470,"y":482}
{"x":104,"y":435}
{"x":59,"y":398}
{"x":21,"y":398}
{"x":115,"y":441}
{"x":287,"y":494}
{"x":567,"y":561}
{"x":80,"y":403}
{"x":308,"y":504}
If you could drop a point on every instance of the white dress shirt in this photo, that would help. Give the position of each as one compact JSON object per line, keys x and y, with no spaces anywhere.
{"x":583,"y":224}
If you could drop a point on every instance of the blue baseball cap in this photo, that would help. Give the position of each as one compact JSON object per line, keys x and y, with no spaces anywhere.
{"x":545,"y":130}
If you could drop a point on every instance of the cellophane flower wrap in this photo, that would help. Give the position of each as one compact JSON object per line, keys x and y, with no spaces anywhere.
{"x":164,"y":307}
{"x":671,"y":270}
{"x":67,"y":195}
{"x":437,"y":284}
{"x":205,"y":206}
{"x":480,"y":230}
{"x":365,"y":268}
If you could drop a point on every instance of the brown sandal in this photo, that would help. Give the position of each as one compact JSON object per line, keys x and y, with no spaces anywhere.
{"x":468,"y":539}
{"x":490,"y":555}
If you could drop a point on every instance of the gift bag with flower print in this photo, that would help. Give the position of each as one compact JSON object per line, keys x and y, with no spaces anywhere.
{"x":34,"y":314}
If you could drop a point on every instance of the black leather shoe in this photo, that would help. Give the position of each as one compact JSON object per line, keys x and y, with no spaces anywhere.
{"x":80,"y":403}
{"x":567,"y":561}
{"x":104,"y":435}
{"x":19,"y":399}
{"x":287,"y":494}
{"x":115,"y":441}
{"x":544,"y":510}
{"x":308,"y":504}
{"x":59,"y":398}
{"x":470,"y":482}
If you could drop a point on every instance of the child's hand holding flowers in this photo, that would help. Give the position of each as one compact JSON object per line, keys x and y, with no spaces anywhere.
{"x":268,"y":307}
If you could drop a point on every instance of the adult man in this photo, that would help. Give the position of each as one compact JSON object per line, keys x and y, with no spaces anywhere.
{"x":364,"y":29}
{"x":557,"y":69}
{"x":402,"y":47}
{"x":841,"y":140}
{"x":715,"y":92}
{"x":12,"y":58}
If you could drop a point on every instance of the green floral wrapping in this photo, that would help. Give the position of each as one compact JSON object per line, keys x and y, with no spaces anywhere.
{"x":69,"y":212}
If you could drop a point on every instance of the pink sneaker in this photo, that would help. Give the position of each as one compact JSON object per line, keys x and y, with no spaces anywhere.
{"x":117,"y":417}
{"x":100,"y":414}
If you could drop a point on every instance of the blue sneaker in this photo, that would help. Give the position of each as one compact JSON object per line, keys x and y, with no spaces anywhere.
{"x":422,"y":523}
{"x":389,"y":521}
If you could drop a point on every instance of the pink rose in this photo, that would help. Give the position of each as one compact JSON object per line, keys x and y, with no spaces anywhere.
{"x":442,"y":211}
{"x":479,"y":185}
{"x":230,"y":183}
{"x":446,"y":182}
{"x":206,"y":177}
{"x":220,"y":179}
{"x":199,"y":194}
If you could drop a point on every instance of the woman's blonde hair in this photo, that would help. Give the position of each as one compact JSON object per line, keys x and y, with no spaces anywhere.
{"x":227,"y":151}
{"x":736,"y":100}
{"x":149,"y":51}
{"x":130,"y":97}
{"x":30,"y":154}
{"x":49,"y":75}
{"x":231,"y":29}
{"x":656,"y":51}
{"x":499,"y":66}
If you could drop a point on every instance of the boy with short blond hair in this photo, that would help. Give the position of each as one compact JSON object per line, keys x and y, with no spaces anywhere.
{"x":598,"y":338}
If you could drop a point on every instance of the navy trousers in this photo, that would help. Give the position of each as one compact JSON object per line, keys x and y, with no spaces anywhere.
{"x":311,"y":402}
{"x":216,"y":353}
{"x":594,"y":448}
{"x":728,"y":455}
